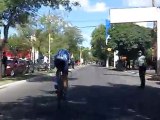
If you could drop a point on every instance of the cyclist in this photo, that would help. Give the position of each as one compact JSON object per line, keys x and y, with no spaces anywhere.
{"x":61,"y":61}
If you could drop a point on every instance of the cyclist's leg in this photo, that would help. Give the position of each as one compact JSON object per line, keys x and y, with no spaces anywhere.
{"x":58,"y":67}
{"x":65,"y":77}
{"x":56,"y":79}
{"x":65,"y":74}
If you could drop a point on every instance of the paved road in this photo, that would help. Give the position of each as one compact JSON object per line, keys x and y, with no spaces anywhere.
{"x":95,"y":93}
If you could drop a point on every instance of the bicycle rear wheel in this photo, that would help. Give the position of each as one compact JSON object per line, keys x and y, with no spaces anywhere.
{"x":59,"y":90}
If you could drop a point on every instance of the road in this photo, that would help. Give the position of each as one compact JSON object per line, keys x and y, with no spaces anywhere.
{"x":95,"y":93}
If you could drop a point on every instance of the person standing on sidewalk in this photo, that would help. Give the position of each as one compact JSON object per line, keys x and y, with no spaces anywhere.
{"x":4,"y":63}
{"x":142,"y":68}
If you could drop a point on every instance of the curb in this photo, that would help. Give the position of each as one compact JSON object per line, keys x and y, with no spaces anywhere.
{"x":148,"y":76}
{"x":9,"y":84}
{"x":22,"y":81}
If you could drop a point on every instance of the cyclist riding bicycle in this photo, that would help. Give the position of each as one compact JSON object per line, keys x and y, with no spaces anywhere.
{"x":61,"y":61}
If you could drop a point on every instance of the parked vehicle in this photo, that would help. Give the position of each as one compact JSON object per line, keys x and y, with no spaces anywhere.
{"x":41,"y":66}
{"x":15,"y":67}
{"x":29,"y":66}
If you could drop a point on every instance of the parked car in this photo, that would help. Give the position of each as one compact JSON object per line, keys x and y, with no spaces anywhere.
{"x":41,"y":66}
{"x":29,"y":66}
{"x":15,"y":67}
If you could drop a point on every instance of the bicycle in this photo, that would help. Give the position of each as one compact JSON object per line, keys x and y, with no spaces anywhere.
{"x":60,"y":88}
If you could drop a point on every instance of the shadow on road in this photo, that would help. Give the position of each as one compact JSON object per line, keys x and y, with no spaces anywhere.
{"x":41,"y":78}
{"x":20,"y":77}
{"x":71,"y":78}
{"x":115,"y":102}
{"x":48,"y":78}
{"x":120,"y":75}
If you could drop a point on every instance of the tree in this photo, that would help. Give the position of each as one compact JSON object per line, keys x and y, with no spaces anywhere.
{"x":86,"y":54}
{"x":129,"y":38}
{"x":18,"y":44}
{"x":98,"y":43}
{"x":73,"y":37}
{"x":18,"y":11}
{"x":63,"y":36}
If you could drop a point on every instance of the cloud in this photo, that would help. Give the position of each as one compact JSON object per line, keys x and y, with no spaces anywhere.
{"x":140,"y":3}
{"x":143,"y":24}
{"x":136,"y":3}
{"x":97,"y":7}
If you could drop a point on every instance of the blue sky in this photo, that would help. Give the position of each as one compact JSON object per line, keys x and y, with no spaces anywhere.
{"x":94,"y":13}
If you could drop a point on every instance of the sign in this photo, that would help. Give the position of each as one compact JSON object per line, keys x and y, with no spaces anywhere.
{"x":109,"y":49}
{"x":146,"y":14}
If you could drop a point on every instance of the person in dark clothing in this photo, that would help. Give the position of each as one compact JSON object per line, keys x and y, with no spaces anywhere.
{"x":72,"y":63}
{"x":4,"y":63}
{"x":142,"y":68}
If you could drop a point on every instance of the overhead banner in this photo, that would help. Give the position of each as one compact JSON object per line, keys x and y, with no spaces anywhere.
{"x":148,"y":14}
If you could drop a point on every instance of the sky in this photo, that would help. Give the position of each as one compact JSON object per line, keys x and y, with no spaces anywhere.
{"x":93,"y":13}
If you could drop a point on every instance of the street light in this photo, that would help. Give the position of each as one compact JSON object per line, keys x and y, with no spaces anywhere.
{"x":49,"y":20}
{"x":107,"y":60}
{"x":33,"y":38}
{"x":80,"y":55}
{"x":49,"y":41}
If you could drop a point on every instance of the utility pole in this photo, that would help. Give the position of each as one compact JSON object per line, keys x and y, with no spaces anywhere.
{"x":154,"y":23}
{"x":153,"y":3}
{"x":80,"y":55}
{"x":155,"y":42}
{"x":49,"y":39}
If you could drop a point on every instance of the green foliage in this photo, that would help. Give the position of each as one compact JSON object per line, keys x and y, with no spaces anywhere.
{"x":18,"y":11}
{"x":98,"y":42}
{"x":128,"y":38}
{"x":73,"y":37}
{"x":86,"y":54}
{"x":62,"y":36}
{"x":18,"y":43}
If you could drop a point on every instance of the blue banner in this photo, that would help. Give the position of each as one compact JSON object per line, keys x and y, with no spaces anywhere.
{"x":108,"y":25}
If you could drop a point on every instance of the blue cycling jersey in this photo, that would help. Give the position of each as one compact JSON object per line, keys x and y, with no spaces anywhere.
{"x":63,"y":54}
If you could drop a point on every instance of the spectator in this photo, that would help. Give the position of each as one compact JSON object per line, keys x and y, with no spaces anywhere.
{"x":72,"y":63}
{"x":142,"y":68}
{"x":4,"y":63}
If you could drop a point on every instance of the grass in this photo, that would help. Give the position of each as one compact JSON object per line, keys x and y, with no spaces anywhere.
{"x":9,"y":79}
{"x":3,"y":82}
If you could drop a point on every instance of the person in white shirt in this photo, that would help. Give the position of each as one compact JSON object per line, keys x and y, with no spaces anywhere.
{"x":142,"y":68}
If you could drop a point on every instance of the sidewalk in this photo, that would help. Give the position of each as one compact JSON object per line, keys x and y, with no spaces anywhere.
{"x":12,"y":80}
{"x":150,"y":74}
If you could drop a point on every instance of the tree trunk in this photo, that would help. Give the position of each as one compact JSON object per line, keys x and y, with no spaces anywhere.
{"x":1,"y":61}
{"x":6,"y":29}
{"x":133,"y":66}
{"x":2,"y":45}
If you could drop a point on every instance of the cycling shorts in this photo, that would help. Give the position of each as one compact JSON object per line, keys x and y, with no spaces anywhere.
{"x":61,"y":65}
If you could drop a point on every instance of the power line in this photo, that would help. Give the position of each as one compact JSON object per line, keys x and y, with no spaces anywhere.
{"x":80,"y":21}
{"x":87,"y":26}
